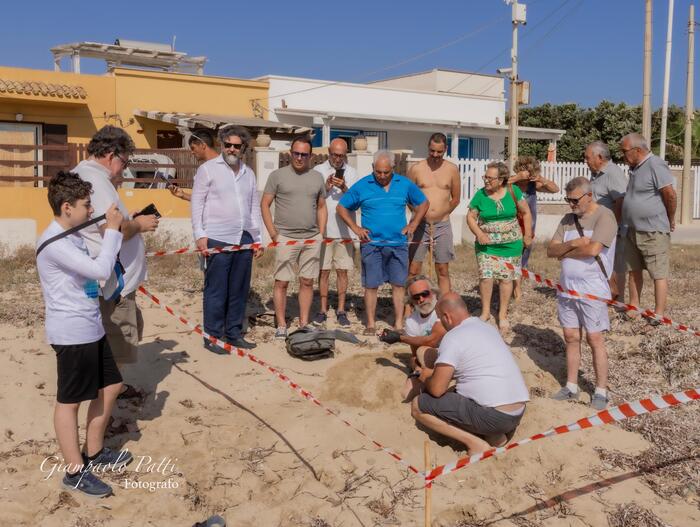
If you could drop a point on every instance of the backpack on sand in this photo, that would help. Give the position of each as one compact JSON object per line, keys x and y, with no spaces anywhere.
{"x":309,"y":344}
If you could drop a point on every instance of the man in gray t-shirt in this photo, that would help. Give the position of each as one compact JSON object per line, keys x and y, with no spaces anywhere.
{"x":299,"y":195}
{"x":609,"y":185}
{"x":648,"y":210}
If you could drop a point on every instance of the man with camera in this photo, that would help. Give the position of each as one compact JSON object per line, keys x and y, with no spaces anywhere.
{"x":226,"y":211}
{"x":339,"y":177}
{"x":109,"y":151}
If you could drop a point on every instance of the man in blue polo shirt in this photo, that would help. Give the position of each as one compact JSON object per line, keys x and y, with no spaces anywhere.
{"x":383,"y":197}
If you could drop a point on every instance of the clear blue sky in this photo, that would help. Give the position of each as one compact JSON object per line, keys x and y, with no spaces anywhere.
{"x":579,"y":51}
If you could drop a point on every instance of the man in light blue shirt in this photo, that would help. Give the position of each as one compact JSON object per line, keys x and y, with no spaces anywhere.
{"x":609,"y":185}
{"x":382,"y":198}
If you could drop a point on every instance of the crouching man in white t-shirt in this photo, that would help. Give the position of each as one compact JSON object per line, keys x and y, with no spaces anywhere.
{"x":423,"y":329}
{"x":490,"y":394}
{"x":86,"y":369}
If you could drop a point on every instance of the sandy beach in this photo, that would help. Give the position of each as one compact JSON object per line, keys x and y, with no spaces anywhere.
{"x":221,"y":435}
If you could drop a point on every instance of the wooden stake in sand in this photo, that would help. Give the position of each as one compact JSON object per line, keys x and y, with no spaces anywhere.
{"x":431,"y":264}
{"x":428,"y":488}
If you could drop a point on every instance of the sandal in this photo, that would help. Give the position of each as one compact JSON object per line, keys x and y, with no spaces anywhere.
{"x":370,"y":332}
{"x":129,"y":393}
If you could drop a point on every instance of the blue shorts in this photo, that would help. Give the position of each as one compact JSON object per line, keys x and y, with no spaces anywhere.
{"x":383,"y":264}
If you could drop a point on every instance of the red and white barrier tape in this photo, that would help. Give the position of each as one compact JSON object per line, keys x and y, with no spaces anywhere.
{"x":611,"y":415}
{"x":271,"y":245}
{"x":648,"y":313}
{"x":277,"y":373}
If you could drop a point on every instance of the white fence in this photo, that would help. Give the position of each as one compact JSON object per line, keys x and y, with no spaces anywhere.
{"x":472,"y":172}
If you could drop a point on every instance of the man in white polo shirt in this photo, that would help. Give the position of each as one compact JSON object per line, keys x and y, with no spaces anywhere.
{"x":109,"y":151}
{"x":226,"y":211}
{"x":490,"y":396}
{"x":339,"y":177}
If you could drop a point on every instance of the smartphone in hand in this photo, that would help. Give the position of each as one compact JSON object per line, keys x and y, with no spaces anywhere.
{"x":340,"y":173}
{"x":147,"y":211}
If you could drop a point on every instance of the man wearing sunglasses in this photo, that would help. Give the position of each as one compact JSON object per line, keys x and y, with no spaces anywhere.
{"x":226,"y":211}
{"x":584,"y":242}
{"x":423,"y":329}
{"x":648,"y":210}
{"x":299,"y":195}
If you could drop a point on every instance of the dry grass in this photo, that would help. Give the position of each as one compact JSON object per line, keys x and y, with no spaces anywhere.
{"x":657,"y":362}
{"x":632,"y":515}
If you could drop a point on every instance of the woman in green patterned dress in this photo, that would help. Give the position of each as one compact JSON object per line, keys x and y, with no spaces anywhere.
{"x":493,"y":218}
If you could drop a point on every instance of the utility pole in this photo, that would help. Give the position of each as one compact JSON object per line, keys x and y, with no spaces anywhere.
{"x":667,"y":81}
{"x":518,"y":17}
{"x":687,"y":181}
{"x":646,"y":94}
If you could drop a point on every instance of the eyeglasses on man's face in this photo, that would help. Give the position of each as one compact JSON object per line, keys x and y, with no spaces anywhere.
{"x":235,"y":146}
{"x":423,"y":294}
{"x":575,"y":201}
{"x":300,"y":155}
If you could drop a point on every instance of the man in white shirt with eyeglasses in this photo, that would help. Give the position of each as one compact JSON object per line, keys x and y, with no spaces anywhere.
{"x":339,"y":177}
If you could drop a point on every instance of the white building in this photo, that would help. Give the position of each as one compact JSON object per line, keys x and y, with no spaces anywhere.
{"x":400,"y":113}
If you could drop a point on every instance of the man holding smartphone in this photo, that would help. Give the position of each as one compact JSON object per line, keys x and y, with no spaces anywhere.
{"x":339,"y":177}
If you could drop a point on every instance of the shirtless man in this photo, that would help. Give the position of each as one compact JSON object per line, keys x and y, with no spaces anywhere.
{"x":440,"y":182}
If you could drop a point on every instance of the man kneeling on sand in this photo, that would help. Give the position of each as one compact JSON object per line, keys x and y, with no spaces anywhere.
{"x":423,"y":332}
{"x":490,"y":394}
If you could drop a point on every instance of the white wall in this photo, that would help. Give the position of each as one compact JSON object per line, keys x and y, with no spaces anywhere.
{"x":381,"y":101}
{"x":453,"y":81}
{"x":403,"y":140}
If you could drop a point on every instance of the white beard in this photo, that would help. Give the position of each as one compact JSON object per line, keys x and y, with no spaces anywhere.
{"x":427,"y":307}
{"x":231,"y":160}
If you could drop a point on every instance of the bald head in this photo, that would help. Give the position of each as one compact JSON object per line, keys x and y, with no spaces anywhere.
{"x":337,"y":153}
{"x":452,"y":310}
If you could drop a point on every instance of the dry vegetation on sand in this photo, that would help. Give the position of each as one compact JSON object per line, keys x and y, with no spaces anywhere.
{"x":248,"y":448}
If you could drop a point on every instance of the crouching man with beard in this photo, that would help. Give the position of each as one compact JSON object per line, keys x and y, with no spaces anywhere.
{"x":423,"y":332}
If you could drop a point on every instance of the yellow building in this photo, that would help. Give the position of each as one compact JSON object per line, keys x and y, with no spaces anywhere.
{"x":53,"y":109}
{"x":74,"y":106}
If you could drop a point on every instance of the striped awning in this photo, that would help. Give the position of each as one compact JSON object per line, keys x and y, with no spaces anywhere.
{"x":213,"y":121}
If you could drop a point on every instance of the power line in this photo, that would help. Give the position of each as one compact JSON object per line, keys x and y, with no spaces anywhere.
{"x":505,"y":50}
{"x":535,"y":44}
{"x":398,"y":64}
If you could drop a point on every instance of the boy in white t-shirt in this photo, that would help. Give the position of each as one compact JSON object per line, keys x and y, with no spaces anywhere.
{"x":85,"y":366}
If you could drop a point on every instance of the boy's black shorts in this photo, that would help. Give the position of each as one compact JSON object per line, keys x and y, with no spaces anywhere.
{"x":84,"y":369}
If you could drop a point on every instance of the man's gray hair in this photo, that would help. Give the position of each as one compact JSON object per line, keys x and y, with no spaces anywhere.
{"x":579,"y":182}
{"x":635,"y":140}
{"x":418,"y":278}
{"x":228,"y":130}
{"x":384,"y":154}
{"x":601,"y":149}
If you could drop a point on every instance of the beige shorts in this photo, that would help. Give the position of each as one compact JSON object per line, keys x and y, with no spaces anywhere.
{"x":297,"y":260}
{"x":123,"y":325}
{"x":648,"y":250}
{"x":338,"y":255}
